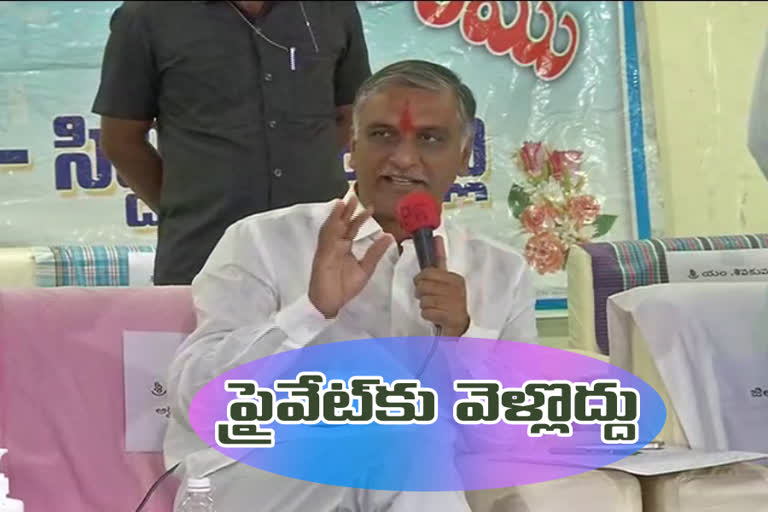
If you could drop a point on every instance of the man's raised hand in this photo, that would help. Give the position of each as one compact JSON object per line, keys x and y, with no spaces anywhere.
{"x":337,"y":275}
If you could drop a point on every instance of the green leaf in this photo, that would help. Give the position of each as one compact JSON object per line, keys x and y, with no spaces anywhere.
{"x":518,"y":200}
{"x":603,"y":224}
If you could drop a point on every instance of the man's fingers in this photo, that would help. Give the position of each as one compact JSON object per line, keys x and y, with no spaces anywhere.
{"x":349,"y":209}
{"x":338,"y":223}
{"x":436,"y":316}
{"x":333,"y":225}
{"x":438,"y":276}
{"x":425,"y":288}
{"x":354,"y":226}
{"x":452,"y":324}
{"x":375,"y":252}
{"x":336,"y":212}
{"x":432,"y":302}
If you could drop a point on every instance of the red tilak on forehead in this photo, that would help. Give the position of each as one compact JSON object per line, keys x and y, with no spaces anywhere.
{"x":406,"y":123}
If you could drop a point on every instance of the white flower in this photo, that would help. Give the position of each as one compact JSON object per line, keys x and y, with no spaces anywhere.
{"x":587,"y":232}
{"x":568,"y":233}
{"x":571,"y":233}
{"x":549,"y":191}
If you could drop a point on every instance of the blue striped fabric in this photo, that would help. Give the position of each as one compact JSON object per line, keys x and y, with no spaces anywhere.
{"x":85,"y":265}
{"x":642,"y":262}
{"x":637,"y":261}
{"x":623,"y":265}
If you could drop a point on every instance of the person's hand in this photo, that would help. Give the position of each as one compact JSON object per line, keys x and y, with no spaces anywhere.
{"x":443,"y":295}
{"x":337,"y":275}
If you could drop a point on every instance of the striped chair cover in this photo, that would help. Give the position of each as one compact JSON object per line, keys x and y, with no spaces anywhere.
{"x":619,"y":266}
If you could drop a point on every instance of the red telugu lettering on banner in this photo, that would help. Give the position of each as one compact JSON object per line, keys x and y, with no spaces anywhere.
{"x":514,"y":39}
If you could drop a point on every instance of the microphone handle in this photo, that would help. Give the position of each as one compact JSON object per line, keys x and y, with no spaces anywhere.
{"x":424,"y":243}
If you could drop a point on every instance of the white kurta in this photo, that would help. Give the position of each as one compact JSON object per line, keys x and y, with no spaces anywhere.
{"x":251,"y":300}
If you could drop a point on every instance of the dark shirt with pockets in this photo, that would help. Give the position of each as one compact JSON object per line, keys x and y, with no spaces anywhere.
{"x":239,"y":130}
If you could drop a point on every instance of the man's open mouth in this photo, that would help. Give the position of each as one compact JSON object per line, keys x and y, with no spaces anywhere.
{"x":403,"y":181}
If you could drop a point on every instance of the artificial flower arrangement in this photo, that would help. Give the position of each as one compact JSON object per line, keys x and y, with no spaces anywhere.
{"x":553,"y":206}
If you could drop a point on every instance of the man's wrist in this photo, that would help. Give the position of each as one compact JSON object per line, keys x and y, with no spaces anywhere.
{"x":328,"y":314}
{"x":479,"y":332}
{"x":459,"y":331}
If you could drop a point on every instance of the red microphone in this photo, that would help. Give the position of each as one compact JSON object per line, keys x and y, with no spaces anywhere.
{"x":419,"y":214}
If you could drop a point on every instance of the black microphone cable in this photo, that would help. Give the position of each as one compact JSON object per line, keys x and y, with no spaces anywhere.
{"x":152,"y":489}
{"x":435,"y":341}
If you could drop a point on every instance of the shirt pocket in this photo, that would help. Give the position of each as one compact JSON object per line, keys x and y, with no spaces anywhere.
{"x":313,"y":85}
{"x":207,"y":91}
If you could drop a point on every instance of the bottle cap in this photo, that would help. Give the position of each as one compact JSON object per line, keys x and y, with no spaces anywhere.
{"x":199,"y":484}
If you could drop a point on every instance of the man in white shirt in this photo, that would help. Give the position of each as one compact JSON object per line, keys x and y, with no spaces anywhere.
{"x":758,"y":116}
{"x":345,"y":270}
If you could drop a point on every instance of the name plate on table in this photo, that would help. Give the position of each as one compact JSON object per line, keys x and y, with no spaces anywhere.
{"x":711,"y":266}
{"x":146,"y":357}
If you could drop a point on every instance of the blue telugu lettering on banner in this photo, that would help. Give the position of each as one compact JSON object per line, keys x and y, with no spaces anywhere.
{"x":79,"y":168}
{"x":567,"y":74}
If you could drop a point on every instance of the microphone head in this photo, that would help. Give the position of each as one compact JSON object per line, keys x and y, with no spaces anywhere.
{"x":418,"y":210}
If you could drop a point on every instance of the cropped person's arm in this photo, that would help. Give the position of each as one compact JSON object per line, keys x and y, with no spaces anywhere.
{"x":352,"y":69}
{"x":127,"y":102}
{"x":125,"y":144}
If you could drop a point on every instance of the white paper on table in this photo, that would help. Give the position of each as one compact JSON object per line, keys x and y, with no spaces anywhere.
{"x":673,"y":459}
{"x":141,"y":268}
{"x":146,"y":357}
{"x":714,"y":266}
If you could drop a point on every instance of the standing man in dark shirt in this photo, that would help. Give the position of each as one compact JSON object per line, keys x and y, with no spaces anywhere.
{"x":252,"y":103}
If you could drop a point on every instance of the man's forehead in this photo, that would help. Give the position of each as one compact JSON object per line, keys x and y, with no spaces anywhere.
{"x":411,"y":107}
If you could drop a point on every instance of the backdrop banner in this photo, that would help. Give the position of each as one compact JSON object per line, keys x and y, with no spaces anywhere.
{"x":564,"y":150}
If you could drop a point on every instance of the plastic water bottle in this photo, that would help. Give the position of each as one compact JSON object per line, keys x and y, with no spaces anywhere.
{"x":199,"y":497}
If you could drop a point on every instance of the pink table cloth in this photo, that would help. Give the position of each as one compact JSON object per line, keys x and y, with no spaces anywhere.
{"x":62,"y":400}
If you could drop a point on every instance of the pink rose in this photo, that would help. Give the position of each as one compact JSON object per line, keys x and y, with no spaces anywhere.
{"x":583,"y":209}
{"x":545,"y":252}
{"x":563,"y":162}
{"x":538,"y":217}
{"x":533,"y":155}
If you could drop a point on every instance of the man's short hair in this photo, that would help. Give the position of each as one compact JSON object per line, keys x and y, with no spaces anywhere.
{"x":419,"y":74}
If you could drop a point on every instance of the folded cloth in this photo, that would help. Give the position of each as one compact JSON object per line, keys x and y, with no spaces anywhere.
{"x":86,"y":265}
